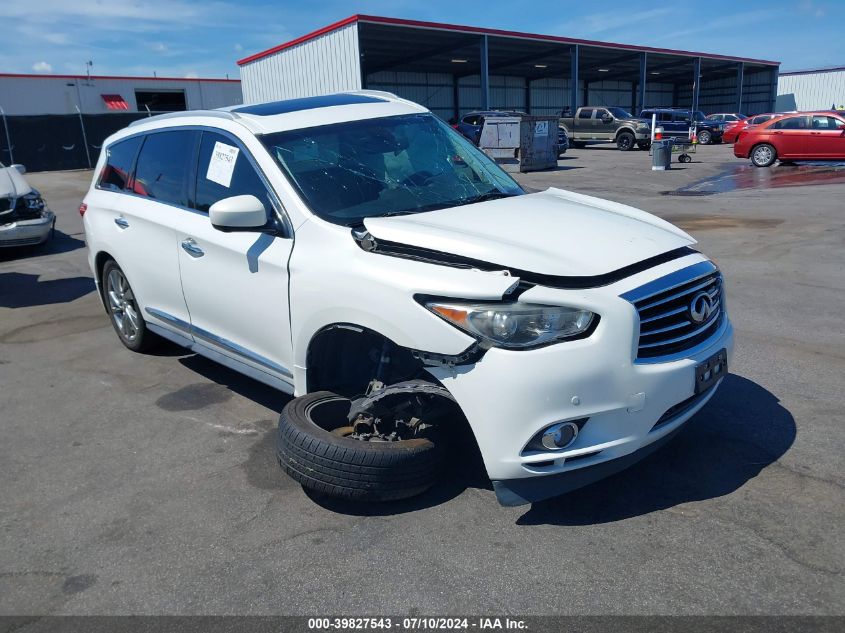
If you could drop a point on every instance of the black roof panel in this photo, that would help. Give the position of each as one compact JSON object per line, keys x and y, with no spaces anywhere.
{"x":306,"y":103}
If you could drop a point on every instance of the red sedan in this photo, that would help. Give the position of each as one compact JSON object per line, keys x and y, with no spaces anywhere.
{"x":733,"y":130}
{"x":804,"y":136}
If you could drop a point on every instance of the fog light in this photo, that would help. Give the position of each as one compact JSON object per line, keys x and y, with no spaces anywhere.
{"x":559,"y":436}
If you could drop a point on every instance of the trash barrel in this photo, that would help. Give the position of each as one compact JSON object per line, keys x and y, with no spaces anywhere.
{"x":661,"y":155}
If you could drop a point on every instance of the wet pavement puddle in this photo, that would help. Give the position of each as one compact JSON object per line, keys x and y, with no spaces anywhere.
{"x":746,"y":176}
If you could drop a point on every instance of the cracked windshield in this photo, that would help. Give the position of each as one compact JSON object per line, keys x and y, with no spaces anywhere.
{"x":386,"y":166}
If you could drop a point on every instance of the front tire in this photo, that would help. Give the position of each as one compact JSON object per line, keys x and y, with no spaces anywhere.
{"x":123,"y":310}
{"x":763,"y":155}
{"x":625,"y":141}
{"x":705,"y":137}
{"x":315,"y":448}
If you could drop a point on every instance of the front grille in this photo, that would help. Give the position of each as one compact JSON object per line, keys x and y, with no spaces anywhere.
{"x":28,"y":241}
{"x":667,"y":326}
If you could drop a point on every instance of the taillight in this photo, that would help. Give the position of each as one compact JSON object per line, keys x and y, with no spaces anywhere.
{"x":83,"y":208}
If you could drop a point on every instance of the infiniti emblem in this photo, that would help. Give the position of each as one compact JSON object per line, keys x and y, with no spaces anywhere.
{"x":701,"y":307}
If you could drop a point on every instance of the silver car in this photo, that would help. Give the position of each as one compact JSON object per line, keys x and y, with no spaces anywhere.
{"x":25,"y":219}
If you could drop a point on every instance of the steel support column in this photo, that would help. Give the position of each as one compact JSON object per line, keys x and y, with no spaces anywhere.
{"x":456,"y":106}
{"x":740,"y":79}
{"x":573,"y":73}
{"x":642,"y":87}
{"x":527,"y":95}
{"x":696,"y":84}
{"x":773,"y":97}
{"x":485,"y":74}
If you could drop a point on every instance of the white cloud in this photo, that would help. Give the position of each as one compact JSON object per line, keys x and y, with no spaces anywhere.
{"x":191,"y":75}
{"x":159,"y":47}
{"x":42,"y":67}
{"x":238,"y":47}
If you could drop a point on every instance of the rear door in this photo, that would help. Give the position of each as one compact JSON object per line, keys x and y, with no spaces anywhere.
{"x":584,"y":123}
{"x":140,"y":218}
{"x":827,"y":137}
{"x":236,"y":284}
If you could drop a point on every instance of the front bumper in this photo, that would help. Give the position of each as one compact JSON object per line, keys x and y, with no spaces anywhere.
{"x":509,"y":396}
{"x":27,"y":232}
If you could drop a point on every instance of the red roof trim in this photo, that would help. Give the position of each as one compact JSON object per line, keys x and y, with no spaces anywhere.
{"x":485,"y":31}
{"x":121,"y":77}
{"x":299,"y":40}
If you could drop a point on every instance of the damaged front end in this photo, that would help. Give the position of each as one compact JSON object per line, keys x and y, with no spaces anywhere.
{"x":25,"y":220}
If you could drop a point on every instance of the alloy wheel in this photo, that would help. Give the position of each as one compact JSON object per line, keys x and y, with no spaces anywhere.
{"x":122,"y":305}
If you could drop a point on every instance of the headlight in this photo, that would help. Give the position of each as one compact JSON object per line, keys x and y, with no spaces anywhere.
{"x":642,"y":126}
{"x":514,"y":325}
{"x":33,"y":201}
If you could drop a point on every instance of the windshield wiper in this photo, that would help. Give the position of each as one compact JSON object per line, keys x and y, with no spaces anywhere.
{"x":490,"y":195}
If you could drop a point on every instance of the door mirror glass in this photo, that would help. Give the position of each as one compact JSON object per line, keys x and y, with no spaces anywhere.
{"x":607,"y":118}
{"x":238,"y":213}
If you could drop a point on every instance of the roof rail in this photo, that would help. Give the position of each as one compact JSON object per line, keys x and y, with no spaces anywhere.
{"x":218,"y":114}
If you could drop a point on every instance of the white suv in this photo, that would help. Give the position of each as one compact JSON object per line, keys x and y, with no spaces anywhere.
{"x":356,"y":252}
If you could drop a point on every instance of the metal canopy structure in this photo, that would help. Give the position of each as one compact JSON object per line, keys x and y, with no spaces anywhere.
{"x":453,"y":68}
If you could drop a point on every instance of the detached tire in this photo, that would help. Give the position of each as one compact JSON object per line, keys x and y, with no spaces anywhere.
{"x":349,"y":468}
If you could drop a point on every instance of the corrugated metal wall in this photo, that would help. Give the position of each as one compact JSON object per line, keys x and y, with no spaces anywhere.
{"x":549,"y":95}
{"x":435,"y":91}
{"x":811,"y":91}
{"x":61,"y":95}
{"x":328,"y":63}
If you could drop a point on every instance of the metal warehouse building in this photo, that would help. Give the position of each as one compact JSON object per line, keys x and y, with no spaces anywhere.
{"x":59,"y":121}
{"x":454,"y":69}
{"x":62,"y":94}
{"x":818,"y":89}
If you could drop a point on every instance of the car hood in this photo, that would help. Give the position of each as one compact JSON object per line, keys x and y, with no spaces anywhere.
{"x":554,"y":232}
{"x":12,"y":184}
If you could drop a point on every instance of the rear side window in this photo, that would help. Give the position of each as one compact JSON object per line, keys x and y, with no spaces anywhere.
{"x":223,"y":171}
{"x":792,"y":123}
{"x":118,"y":168}
{"x":664,"y":116}
{"x":164,"y":165}
{"x":585,"y":114}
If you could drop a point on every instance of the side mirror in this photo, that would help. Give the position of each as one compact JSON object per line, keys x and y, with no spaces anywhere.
{"x":238,"y":213}
{"x":607,"y":119}
{"x":21,"y":169}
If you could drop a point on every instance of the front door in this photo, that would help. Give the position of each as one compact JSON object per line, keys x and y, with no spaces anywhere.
{"x":827,"y":137}
{"x":235,"y":284}
{"x":605,"y":125}
{"x":791,"y":136}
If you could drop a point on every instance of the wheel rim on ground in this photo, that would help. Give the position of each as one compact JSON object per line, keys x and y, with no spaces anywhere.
{"x":122,"y":305}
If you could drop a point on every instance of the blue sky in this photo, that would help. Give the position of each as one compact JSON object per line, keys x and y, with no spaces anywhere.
{"x":190,"y":38}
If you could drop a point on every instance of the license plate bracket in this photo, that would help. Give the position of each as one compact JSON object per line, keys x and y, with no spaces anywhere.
{"x":708,"y":372}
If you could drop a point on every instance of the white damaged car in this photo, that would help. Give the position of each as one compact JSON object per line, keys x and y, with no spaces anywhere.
{"x":356,"y":252}
{"x":25,"y":220}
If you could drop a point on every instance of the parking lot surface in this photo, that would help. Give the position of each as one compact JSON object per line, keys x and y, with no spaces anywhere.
{"x":148,"y":484}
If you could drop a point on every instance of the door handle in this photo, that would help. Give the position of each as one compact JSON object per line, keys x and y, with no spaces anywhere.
{"x":121,"y":222}
{"x":778,"y":132}
{"x":190,"y":247}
